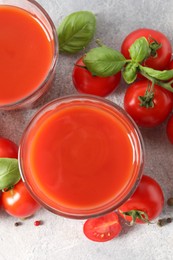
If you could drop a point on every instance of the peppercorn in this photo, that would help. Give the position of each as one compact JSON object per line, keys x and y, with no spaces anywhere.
{"x":169,"y":220}
{"x":17,"y":224}
{"x":164,"y":221}
{"x":170,"y":202}
{"x":161,"y":222}
{"x":38,"y":223}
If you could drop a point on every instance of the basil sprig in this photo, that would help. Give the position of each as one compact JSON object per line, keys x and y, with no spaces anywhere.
{"x":9,"y":173}
{"x":103,"y":61}
{"x":76,"y":31}
{"x":157,"y":74}
{"x":139,"y":50}
{"x":130,"y":72}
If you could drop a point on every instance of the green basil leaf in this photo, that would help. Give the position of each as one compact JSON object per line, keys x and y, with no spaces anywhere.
{"x":157,"y":74}
{"x":130,"y":72}
{"x":76,"y":31}
{"x":103,"y":61}
{"x":9,"y":173}
{"x":139,"y":50}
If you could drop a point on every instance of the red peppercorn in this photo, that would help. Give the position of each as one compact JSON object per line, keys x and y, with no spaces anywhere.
{"x":37,"y":223}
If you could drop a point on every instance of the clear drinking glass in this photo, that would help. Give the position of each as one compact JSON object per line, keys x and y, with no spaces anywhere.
{"x":81,"y":156}
{"x":37,"y":14}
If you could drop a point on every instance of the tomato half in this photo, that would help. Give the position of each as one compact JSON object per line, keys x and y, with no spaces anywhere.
{"x":158,"y":62}
{"x":103,"y":228}
{"x":152,"y":116}
{"x":147,"y":198}
{"x":169,"y":129}
{"x":8,"y":149}
{"x":85,"y":83}
{"x":18,"y":201}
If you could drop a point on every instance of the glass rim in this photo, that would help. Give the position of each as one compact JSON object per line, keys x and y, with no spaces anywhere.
{"x":109,"y":206}
{"x":20,"y":102}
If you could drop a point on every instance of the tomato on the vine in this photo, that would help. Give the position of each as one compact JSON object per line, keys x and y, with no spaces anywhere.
{"x":103,"y":228}
{"x":18,"y":202}
{"x":169,"y":129}
{"x":162,"y":56}
{"x":8,"y":149}
{"x":148,"y":116}
{"x":145,"y":204}
{"x":86,"y":83}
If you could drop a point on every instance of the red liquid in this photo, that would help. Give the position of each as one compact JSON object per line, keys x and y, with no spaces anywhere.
{"x":25,"y":54}
{"x":80,"y":157}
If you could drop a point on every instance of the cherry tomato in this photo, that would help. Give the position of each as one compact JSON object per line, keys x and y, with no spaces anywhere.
{"x":103,"y":228}
{"x":170,"y":65}
{"x":147,"y":198}
{"x":158,"y":62}
{"x":169,"y":129}
{"x":152,"y":116}
{"x":84,"y":82}
{"x":18,"y":201}
{"x":8,"y":149}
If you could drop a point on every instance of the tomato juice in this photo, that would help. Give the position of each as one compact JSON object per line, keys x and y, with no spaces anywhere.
{"x":28,"y":52}
{"x":81,"y":156}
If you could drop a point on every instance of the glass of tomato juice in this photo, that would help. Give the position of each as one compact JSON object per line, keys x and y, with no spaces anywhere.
{"x":81,"y":156}
{"x":28,"y":52}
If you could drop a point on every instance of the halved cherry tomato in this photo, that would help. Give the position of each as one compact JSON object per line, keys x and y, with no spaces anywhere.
{"x":84,"y":82}
{"x":151,"y":116}
{"x":148,"y":198}
{"x":163,"y":54}
{"x":18,"y":202}
{"x":103,"y":228}
{"x":169,"y":129}
{"x":8,"y":149}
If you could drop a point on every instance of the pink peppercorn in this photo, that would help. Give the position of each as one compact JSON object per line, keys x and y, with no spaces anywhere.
{"x":37,"y":223}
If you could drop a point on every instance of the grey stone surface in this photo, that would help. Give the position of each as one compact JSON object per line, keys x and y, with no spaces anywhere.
{"x":61,"y":238}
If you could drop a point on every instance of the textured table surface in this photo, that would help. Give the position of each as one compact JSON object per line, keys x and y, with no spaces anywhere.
{"x":61,"y":238}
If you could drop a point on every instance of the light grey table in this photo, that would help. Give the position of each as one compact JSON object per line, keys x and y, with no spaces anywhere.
{"x":61,"y":238}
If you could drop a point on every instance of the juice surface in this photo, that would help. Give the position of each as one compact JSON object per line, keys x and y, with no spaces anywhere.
{"x":25,"y":54}
{"x":79,"y":157}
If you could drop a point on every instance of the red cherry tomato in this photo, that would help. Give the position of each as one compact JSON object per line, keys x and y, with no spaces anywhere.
{"x":18,"y":201}
{"x":84,"y":82}
{"x":103,"y":228}
{"x":169,"y":129}
{"x":161,"y":60}
{"x":152,"y":116}
{"x":8,"y":149}
{"x":170,"y":65}
{"x":147,"y":198}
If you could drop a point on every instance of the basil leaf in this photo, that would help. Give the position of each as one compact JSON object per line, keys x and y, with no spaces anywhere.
{"x":9,"y":173}
{"x":157,"y":74}
{"x":76,"y":31}
{"x":130,"y":72}
{"x":103,"y":61}
{"x":139,"y":50}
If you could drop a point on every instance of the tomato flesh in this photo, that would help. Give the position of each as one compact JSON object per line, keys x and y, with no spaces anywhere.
{"x":103,"y":228}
